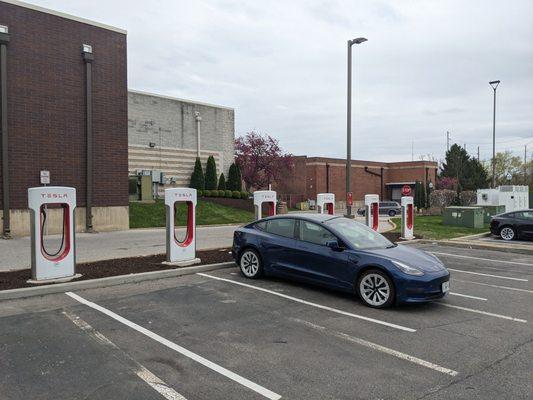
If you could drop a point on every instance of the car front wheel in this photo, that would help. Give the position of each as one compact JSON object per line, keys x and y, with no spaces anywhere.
{"x":392,"y":213}
{"x":250,"y":264}
{"x":507,"y":233}
{"x":376,"y":289}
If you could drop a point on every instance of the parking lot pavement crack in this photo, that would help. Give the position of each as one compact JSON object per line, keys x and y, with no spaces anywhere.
{"x":448,"y":324}
{"x":487,"y":367}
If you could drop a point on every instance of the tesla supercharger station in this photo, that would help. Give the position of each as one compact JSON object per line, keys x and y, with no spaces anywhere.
{"x":372,"y":211}
{"x":48,"y":264}
{"x":408,"y":217}
{"x":325,"y":203}
{"x":264,"y":196}
{"x":181,"y":252}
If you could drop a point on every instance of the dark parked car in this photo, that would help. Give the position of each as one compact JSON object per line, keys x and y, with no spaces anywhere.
{"x":390,"y":208}
{"x":339,"y":253}
{"x":513,"y":225}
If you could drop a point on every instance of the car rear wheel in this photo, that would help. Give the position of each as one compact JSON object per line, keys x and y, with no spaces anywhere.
{"x":250,"y":264}
{"x":507,"y":233}
{"x":392,"y":213}
{"x":376,"y":289}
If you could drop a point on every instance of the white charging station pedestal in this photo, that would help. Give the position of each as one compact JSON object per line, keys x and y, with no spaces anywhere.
{"x":408,"y":217}
{"x":181,"y":252}
{"x":372,"y":211}
{"x":265,"y":196}
{"x":58,"y":264}
{"x":325,"y":203}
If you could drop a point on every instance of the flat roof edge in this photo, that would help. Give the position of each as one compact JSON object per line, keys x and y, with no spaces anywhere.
{"x":162,"y":96}
{"x":64,"y":15}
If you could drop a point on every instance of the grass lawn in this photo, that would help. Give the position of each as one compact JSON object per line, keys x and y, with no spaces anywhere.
{"x":431,"y":227}
{"x":149,"y":215}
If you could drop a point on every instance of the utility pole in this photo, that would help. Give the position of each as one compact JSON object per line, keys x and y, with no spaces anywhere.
{"x":477,"y":153}
{"x":447,"y":141}
{"x":349,"y":123}
{"x":494,"y":85}
{"x":412,"y":150}
{"x":525,"y":164}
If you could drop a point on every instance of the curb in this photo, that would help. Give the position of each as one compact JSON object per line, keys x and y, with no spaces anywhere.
{"x":478,"y":246}
{"x":477,"y":235}
{"x":109,"y":281}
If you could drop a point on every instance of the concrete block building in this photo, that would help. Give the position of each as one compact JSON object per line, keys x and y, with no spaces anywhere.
{"x":63,"y":88}
{"x":166,"y":135}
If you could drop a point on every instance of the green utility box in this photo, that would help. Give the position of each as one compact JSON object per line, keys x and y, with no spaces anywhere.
{"x":470,"y":217}
{"x":489,"y":211}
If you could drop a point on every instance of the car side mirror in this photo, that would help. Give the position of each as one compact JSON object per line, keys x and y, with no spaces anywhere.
{"x":334,"y":245}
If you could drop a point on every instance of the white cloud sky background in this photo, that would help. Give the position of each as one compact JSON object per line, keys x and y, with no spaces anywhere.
{"x":282,"y":66}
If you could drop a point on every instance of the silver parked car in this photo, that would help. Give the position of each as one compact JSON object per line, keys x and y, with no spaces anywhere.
{"x":390,"y":208}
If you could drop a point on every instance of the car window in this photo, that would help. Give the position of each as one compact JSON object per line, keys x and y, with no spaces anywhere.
{"x":311,"y":232}
{"x":525,"y":215}
{"x":359,"y":235}
{"x":281,"y":226}
{"x":261,"y":225}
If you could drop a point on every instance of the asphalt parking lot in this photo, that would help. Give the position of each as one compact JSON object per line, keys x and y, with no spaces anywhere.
{"x":220,"y":336}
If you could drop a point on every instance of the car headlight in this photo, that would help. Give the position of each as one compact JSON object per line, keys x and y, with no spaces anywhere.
{"x":407,"y":269}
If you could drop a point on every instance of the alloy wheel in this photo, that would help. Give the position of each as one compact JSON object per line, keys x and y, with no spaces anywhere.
{"x":507,"y":233}
{"x":374,"y":289}
{"x":249,"y":264}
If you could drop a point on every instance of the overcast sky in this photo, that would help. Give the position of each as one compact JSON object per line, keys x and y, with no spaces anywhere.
{"x":282,"y":65}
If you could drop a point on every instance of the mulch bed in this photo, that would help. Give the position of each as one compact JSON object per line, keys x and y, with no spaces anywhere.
{"x":122,"y":266}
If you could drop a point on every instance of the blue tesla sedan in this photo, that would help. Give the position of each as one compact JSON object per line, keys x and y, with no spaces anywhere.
{"x":339,"y":253}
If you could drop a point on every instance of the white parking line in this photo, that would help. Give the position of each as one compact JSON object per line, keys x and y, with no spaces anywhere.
{"x":482,"y":259}
{"x":187,"y":353}
{"x":335,"y":310}
{"x":378,"y":347}
{"x":468,"y":296}
{"x":495,"y":286}
{"x":488,"y":275}
{"x":140,"y":370}
{"x":483,"y":312}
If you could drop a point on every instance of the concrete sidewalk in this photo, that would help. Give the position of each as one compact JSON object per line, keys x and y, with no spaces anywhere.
{"x":15,"y":253}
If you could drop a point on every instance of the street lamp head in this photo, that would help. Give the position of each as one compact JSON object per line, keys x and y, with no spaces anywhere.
{"x":359,"y":40}
{"x":494,"y":84}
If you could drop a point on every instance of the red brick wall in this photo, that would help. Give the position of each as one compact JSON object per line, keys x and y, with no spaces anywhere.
{"x":46,"y":106}
{"x":313,"y":172}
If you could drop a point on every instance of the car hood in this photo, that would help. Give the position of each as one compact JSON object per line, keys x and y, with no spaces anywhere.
{"x":410,"y":256}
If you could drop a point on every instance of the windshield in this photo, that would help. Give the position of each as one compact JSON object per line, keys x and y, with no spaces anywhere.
{"x":360,"y":236}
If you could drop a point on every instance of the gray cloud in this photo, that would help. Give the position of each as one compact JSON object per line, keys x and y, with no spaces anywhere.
{"x":282,"y":65}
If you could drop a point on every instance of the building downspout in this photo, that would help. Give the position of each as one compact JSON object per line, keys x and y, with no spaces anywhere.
{"x":327,"y":178}
{"x":4,"y":40}
{"x":198,"y":122}
{"x":367,"y":170}
{"x":87,"y":54}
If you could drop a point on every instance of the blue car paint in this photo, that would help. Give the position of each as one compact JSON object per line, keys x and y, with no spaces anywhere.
{"x":321,"y":265}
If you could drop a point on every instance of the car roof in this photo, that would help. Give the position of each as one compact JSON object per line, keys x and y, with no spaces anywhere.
{"x":314,"y":217}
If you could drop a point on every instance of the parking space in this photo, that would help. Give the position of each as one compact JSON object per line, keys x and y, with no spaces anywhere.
{"x":218,"y":335}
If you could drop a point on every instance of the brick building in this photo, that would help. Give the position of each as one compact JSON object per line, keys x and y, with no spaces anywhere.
{"x":59,"y":93}
{"x":163,"y":135}
{"x":312,"y":175}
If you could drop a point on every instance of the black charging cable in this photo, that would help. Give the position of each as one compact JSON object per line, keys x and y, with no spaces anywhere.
{"x":43,"y":212}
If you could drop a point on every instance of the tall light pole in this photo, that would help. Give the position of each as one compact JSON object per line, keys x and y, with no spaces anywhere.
{"x":349,"y":123}
{"x":494,"y":85}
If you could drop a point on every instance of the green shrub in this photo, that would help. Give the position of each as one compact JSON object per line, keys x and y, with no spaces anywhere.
{"x":197,"y":177}
{"x":199,"y":193}
{"x":227,"y":193}
{"x":234,"y":181}
{"x":221,"y":193}
{"x":222,"y":182}
{"x":245,"y":195}
{"x":236,"y":194}
{"x":211,"y":174}
{"x":207,"y":193}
